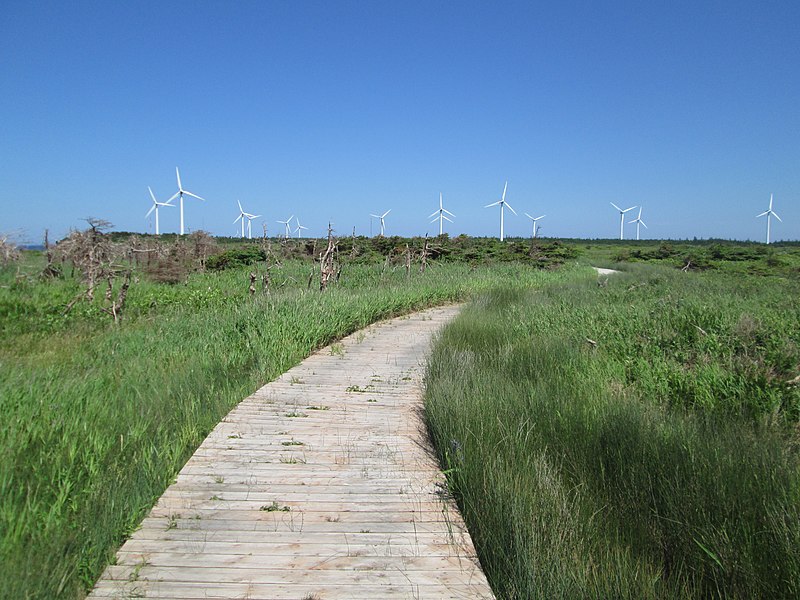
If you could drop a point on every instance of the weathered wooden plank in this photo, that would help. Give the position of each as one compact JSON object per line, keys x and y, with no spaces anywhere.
{"x":358,"y":511}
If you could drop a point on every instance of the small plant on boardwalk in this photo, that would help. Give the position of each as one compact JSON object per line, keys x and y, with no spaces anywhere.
{"x":275,"y":507}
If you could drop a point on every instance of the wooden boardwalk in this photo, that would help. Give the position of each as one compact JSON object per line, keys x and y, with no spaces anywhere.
{"x":319,"y":486}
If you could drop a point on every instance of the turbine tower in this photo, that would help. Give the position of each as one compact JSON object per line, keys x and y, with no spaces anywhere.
{"x":621,"y":218}
{"x":502,"y":202}
{"x":250,"y":224}
{"x":155,"y":206}
{"x":533,"y":223}
{"x":288,"y":229}
{"x":381,"y":217}
{"x":439,"y":215}
{"x":180,"y":193}
{"x":638,"y":221}
{"x":241,"y":216}
{"x":769,"y":213}
{"x":299,"y":227}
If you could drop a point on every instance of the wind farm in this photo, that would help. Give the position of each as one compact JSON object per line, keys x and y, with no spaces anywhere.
{"x":293,"y":228}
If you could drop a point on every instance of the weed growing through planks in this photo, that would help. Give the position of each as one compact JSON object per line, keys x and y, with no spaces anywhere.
{"x":337,"y":350}
{"x":275,"y":507}
{"x":292,"y":442}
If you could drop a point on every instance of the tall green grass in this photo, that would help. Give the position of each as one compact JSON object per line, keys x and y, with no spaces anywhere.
{"x":97,"y":419}
{"x":659,"y":463}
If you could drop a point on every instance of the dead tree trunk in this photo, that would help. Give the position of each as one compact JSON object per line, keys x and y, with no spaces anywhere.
{"x":327,"y":266}
{"x":115,"y":310}
{"x":424,"y":256}
{"x":353,"y":249}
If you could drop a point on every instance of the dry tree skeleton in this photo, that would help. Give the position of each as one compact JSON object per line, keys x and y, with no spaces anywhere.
{"x":327,"y":263}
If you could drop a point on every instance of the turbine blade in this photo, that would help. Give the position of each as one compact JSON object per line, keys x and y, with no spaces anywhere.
{"x":376,"y":216}
{"x":436,"y":212}
{"x":505,"y":187}
{"x":530,"y":217}
{"x":643,"y":223}
{"x":774,"y":214}
{"x":627,"y":209}
{"x":178,"y":173}
{"x":193,"y":195}
{"x":615,"y":206}
{"x":493,"y":204}
{"x":542,"y":217}
{"x":173,"y":197}
{"x":237,"y":218}
{"x":446,"y":219}
{"x":508,"y":206}
{"x":448,"y":212}
{"x":770,"y":201}
{"x":433,"y":220}
{"x":766,"y":212}
{"x":152,"y":208}
{"x":386,"y":213}
{"x":151,"y":194}
{"x":240,"y":206}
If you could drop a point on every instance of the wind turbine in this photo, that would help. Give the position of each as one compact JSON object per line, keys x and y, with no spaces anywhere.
{"x":155,"y":206}
{"x":381,"y":217}
{"x":180,"y":194}
{"x":621,"y":218}
{"x":533,"y":222}
{"x":502,"y":202}
{"x":241,"y":216}
{"x":287,"y":226}
{"x":440,"y":216}
{"x":250,"y":224}
{"x":769,"y":213}
{"x":299,"y":227}
{"x":638,"y":221}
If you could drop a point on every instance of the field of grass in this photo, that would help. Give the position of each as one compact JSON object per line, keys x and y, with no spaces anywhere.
{"x":98,"y":418}
{"x":539,"y":427}
{"x":637,"y":439}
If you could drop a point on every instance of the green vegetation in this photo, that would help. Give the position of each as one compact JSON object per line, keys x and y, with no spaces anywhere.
{"x":99,"y":417}
{"x":540,"y":426}
{"x":629,"y":439}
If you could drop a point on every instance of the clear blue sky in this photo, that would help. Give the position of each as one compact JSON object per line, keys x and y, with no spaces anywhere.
{"x":333,"y":110}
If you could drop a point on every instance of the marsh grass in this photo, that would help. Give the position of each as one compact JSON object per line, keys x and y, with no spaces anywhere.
{"x":98,"y":419}
{"x":659,"y":463}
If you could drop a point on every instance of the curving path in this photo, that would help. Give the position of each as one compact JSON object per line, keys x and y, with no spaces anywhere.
{"x":319,"y":486}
